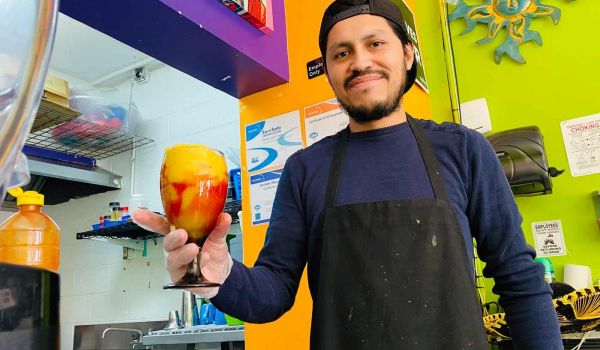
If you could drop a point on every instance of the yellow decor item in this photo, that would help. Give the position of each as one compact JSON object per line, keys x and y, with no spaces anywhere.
{"x":495,"y":324}
{"x":578,"y":311}
{"x":584,"y":303}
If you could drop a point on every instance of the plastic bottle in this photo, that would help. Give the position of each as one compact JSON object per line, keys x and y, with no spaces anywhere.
{"x":30,"y":237}
{"x":548,"y":269}
{"x":115,"y":215}
{"x":125,"y":214}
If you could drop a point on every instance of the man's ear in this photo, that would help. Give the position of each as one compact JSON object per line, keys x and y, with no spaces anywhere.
{"x":409,"y":55}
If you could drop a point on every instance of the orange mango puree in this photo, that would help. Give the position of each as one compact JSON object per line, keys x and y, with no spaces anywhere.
{"x":193,"y":186}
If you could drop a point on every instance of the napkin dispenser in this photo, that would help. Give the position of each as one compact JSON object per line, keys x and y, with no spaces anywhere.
{"x":522,"y":155}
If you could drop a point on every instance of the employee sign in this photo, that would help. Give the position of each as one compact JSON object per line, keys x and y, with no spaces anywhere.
{"x":549,"y":239}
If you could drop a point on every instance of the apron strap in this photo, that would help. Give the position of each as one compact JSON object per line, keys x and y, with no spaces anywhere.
{"x":336,"y":168}
{"x":431,"y":162}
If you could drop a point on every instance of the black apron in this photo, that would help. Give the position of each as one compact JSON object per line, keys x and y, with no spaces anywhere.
{"x":395,"y":274}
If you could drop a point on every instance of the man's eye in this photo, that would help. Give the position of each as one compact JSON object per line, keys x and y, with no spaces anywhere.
{"x":341,"y":54}
{"x":376,"y":43}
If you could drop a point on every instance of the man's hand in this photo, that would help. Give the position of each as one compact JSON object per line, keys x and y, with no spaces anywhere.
{"x":215,"y":261}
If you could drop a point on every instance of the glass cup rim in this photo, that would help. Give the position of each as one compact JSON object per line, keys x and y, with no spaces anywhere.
{"x":195,"y":145}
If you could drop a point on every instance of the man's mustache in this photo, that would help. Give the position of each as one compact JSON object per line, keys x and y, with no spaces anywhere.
{"x":359,"y":73}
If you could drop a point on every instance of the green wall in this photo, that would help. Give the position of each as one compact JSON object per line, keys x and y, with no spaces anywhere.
{"x":560,"y":81}
{"x":430,"y":38}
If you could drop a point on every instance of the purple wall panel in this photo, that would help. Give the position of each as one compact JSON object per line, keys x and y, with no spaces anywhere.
{"x":269,"y":50}
{"x":161,"y":32}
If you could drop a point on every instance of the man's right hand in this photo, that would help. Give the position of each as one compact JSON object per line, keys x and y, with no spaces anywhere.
{"x":215,"y":261}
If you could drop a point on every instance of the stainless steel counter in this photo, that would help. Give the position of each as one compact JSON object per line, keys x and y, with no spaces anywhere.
{"x":194,"y":335}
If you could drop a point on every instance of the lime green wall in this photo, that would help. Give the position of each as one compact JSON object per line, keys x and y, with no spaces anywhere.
{"x":430,"y":38}
{"x":560,"y":81}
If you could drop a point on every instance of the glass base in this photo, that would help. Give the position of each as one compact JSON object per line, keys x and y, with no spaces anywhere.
{"x":190,"y":284}
{"x":192,"y":278}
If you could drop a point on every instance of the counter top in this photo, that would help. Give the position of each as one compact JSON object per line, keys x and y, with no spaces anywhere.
{"x":196,"y":334}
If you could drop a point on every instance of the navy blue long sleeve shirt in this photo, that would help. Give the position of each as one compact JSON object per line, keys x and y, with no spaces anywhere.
{"x":385,"y":164}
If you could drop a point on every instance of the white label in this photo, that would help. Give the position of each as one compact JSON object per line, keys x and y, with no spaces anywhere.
{"x":549,"y":239}
{"x":323,"y":119}
{"x":475,"y":115}
{"x":262,"y":194}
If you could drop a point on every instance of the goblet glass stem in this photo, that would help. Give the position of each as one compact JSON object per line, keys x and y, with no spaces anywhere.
{"x":192,"y":278}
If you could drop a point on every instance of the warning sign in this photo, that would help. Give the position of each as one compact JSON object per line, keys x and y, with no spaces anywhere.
{"x":549,"y":239}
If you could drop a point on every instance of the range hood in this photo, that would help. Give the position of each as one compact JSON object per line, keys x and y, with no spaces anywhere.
{"x":60,"y":181}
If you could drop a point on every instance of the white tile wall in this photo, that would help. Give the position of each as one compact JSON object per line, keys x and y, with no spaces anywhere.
{"x":5,"y":215}
{"x":97,"y":285}
{"x":90,"y":280}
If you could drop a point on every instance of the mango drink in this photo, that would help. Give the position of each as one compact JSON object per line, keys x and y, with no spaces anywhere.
{"x":193,"y":186}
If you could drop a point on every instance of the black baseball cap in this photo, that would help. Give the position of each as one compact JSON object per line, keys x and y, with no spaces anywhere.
{"x":340,"y":10}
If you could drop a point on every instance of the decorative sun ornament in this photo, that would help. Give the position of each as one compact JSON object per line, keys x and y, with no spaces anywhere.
{"x":514,"y":15}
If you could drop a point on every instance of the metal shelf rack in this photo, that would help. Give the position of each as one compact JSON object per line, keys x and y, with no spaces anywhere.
{"x":128,"y":235}
{"x":55,"y":128}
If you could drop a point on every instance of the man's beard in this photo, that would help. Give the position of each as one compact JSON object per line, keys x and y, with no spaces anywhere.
{"x":368,"y":113}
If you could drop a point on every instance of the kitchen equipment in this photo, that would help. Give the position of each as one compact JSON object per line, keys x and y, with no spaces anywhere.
{"x":188,"y":308}
{"x":205,"y":316}
{"x":26,"y":37}
{"x":29,"y":313}
{"x":523,"y":157}
{"x":220,"y":317}
{"x":195,"y":311}
{"x":174,"y":321}
{"x":193,"y":187}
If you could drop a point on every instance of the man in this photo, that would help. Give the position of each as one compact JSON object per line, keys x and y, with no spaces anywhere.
{"x":384,"y":214}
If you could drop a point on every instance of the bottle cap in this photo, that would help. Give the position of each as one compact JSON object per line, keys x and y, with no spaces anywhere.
{"x":547,"y":264}
{"x":27,"y":197}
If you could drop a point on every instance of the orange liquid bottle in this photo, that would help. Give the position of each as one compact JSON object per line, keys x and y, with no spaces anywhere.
{"x":30,"y":237}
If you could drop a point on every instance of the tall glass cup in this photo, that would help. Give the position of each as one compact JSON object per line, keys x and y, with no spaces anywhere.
{"x":193,"y":187}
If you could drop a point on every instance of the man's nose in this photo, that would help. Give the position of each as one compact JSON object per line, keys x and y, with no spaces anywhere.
{"x":361,"y":60}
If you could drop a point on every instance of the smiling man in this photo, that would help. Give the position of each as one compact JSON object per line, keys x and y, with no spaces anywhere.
{"x":383,"y":214}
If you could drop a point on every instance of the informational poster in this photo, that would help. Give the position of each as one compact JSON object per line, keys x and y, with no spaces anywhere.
{"x":411,"y":26}
{"x":582,"y":143}
{"x":549,"y":238}
{"x":323,"y":119}
{"x":270,"y":142}
{"x":262,"y":194}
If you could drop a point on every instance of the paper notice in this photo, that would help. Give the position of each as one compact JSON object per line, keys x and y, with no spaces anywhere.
{"x":582,"y":143}
{"x":323,"y":119}
{"x":549,"y":238}
{"x":262,"y":194}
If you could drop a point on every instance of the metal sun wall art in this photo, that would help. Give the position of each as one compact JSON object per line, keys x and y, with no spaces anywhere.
{"x":514,"y":15}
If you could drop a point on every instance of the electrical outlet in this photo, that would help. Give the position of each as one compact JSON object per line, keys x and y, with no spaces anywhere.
{"x":140,"y":75}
